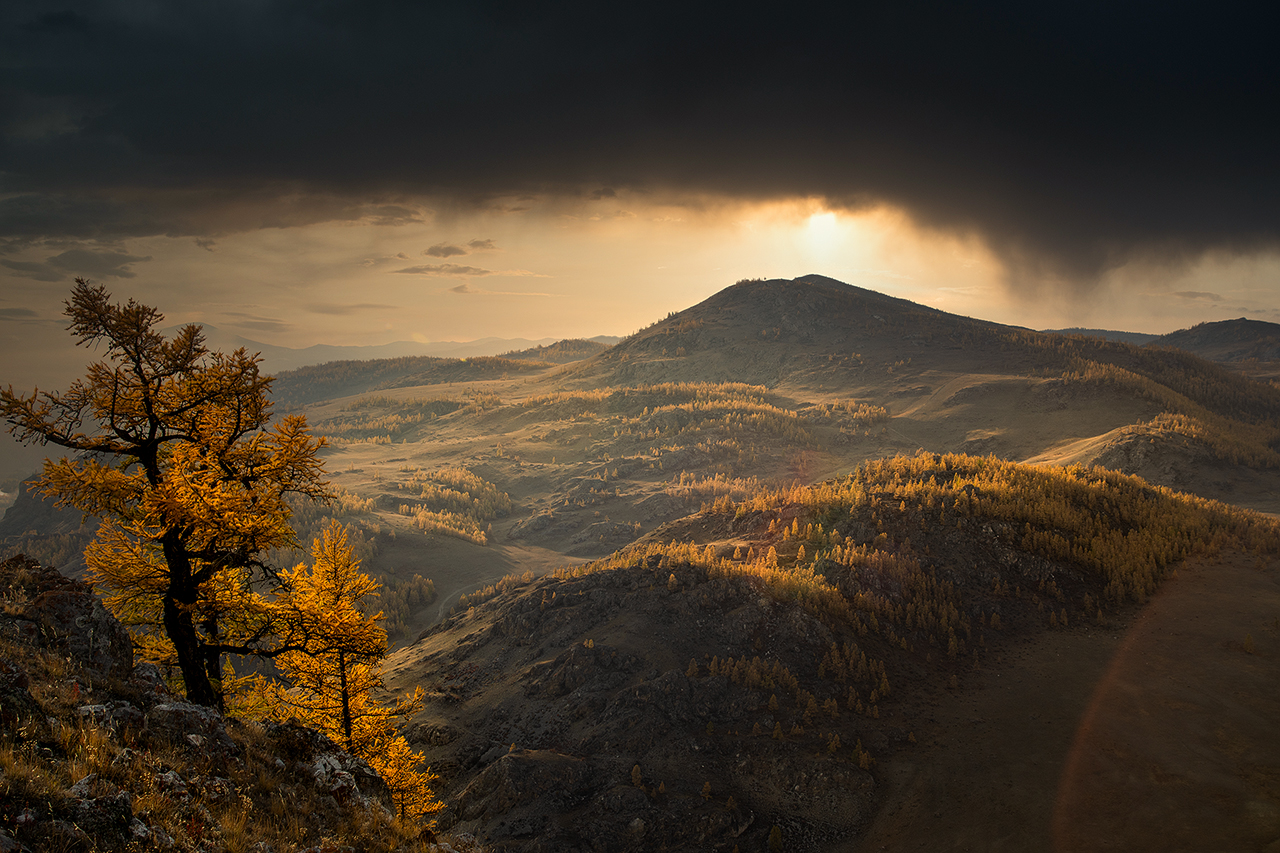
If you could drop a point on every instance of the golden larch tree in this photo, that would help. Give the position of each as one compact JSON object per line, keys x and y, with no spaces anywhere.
{"x":412,"y":784}
{"x":333,"y":667}
{"x":175,"y":450}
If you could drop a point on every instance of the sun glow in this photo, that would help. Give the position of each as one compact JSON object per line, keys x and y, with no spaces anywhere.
{"x":823,"y":230}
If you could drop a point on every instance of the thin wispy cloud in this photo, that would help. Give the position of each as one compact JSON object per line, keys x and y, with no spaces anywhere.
{"x":346,"y":310}
{"x":462,"y":271}
{"x":468,"y":290}
{"x":97,"y":264}
{"x":37,"y":272}
{"x":93,"y":263}
{"x":393,"y":214}
{"x":257,"y":323}
{"x":1201,"y":295}
{"x":452,"y":250}
{"x":373,"y":262}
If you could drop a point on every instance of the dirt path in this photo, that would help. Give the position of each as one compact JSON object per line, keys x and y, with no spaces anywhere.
{"x":1161,"y":735}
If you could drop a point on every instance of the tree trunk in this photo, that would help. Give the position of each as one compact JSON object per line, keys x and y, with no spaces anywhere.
{"x":213,"y":660}
{"x":180,"y":626}
{"x":346,"y":697}
{"x":186,"y":642}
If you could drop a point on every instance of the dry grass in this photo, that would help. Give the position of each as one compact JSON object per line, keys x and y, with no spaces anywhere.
{"x":198,"y":800}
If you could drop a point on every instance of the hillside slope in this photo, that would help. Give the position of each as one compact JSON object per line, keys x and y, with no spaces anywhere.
{"x":954,"y":383}
{"x":695,"y":696}
{"x":1227,"y":340}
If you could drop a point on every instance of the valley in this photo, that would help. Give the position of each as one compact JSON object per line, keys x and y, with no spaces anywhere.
{"x":810,"y":558}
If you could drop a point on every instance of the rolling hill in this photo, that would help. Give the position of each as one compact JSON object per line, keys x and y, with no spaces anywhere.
{"x":773,"y":667}
{"x":1227,"y":340}
{"x":803,"y":556}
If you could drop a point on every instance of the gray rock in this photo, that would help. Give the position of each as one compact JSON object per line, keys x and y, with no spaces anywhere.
{"x":146,"y":676}
{"x":337,"y":772}
{"x":72,"y":618}
{"x":172,"y":722}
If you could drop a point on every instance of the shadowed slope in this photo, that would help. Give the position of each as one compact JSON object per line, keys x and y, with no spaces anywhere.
{"x":758,"y":675}
{"x":1227,"y":340}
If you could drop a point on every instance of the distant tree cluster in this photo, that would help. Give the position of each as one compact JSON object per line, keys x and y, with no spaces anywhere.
{"x":384,"y":419}
{"x":561,"y":352}
{"x":725,"y":426}
{"x":454,"y":502}
{"x":400,"y":601}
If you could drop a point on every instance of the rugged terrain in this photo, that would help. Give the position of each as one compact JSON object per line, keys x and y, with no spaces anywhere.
{"x":697,"y":696}
{"x":662,"y":697}
{"x":98,"y":754}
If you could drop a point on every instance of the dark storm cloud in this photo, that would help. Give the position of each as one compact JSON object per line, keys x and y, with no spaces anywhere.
{"x":97,"y":264}
{"x":1070,"y":136}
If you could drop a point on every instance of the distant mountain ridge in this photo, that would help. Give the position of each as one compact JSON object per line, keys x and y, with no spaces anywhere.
{"x":277,"y":359}
{"x":817,"y":332}
{"x":1227,"y":341}
{"x":335,"y":379}
{"x":356,"y":376}
{"x":775,"y":331}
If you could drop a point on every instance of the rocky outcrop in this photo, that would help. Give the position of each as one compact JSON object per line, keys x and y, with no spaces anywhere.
{"x":337,"y":772}
{"x":21,"y":717}
{"x":71,"y":701}
{"x":188,"y":726}
{"x":57,"y":613}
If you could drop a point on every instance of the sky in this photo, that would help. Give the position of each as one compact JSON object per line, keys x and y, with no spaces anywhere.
{"x":365,"y":172}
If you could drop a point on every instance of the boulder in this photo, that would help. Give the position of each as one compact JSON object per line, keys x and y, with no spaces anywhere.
{"x":147,"y":678}
{"x":336,"y":771}
{"x":56,"y":612}
{"x":190,"y":726}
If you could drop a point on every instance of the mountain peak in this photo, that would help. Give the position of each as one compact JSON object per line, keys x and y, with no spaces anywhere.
{"x":769,"y":331}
